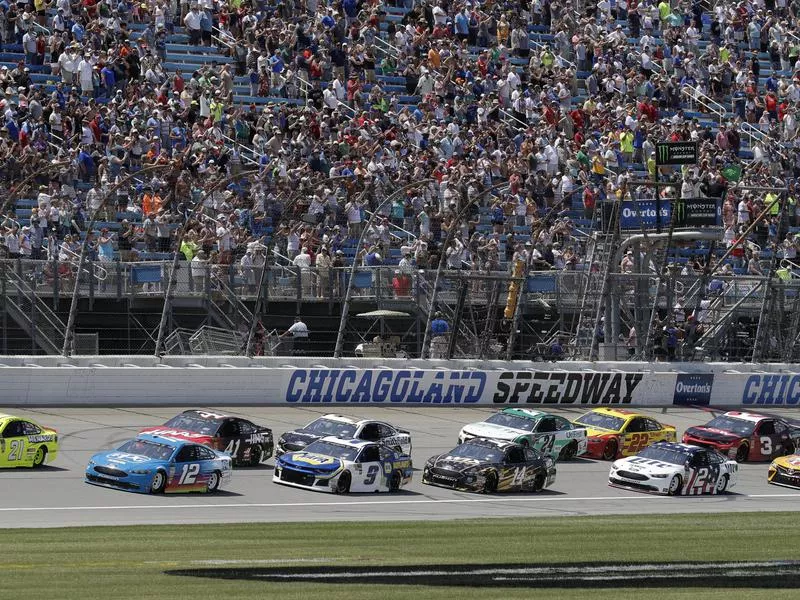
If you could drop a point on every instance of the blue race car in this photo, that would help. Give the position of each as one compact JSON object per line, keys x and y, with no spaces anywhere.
{"x":151,"y":464}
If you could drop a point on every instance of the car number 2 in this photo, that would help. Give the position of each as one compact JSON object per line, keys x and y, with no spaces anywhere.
{"x":189,"y":474}
{"x":372,"y":473}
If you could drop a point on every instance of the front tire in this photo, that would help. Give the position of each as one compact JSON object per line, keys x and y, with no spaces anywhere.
{"x":611,"y":449}
{"x":568,"y":452}
{"x":675,"y":485}
{"x":343,"y":485}
{"x":722,"y":484}
{"x":490,"y":485}
{"x":159,"y":483}
{"x":213,"y":482}
{"x":38,"y":458}
{"x":742,"y":452}
{"x":395,"y":481}
{"x":788,"y":449}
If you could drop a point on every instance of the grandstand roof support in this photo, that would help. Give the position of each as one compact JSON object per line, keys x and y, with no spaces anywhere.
{"x":73,"y":309}
{"x":337,"y":353}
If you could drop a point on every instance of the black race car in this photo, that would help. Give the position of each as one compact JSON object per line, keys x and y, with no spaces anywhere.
{"x":346,"y":428}
{"x":483,"y":465}
{"x":247,"y":443}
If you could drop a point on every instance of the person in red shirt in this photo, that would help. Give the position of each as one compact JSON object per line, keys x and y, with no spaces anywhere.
{"x":178,"y":84}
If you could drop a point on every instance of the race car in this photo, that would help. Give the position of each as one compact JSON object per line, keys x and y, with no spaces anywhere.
{"x":674,"y":469}
{"x":23,"y":443}
{"x":484,"y":465}
{"x":152,"y":464}
{"x":340,"y":466}
{"x":746,"y":436}
{"x":785,"y":471}
{"x":245,"y":442}
{"x":547,"y":433}
{"x":345,"y":428}
{"x":615,"y":432}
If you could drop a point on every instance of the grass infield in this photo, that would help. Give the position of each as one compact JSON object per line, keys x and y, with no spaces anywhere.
{"x":134,"y":562}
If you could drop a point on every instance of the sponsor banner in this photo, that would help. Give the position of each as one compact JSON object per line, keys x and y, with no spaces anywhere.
{"x":642,"y":213}
{"x":698,"y":212}
{"x":459,"y":387}
{"x":771,"y":389}
{"x":693,"y":389}
{"x":676,"y":153}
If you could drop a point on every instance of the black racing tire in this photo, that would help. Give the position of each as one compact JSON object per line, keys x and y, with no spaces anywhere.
{"x":722,"y":484}
{"x":611,"y":449}
{"x":742,"y":452}
{"x":538,"y":482}
{"x":343,"y":485}
{"x":213,"y":482}
{"x":569,"y":451}
{"x":39,"y":457}
{"x":395,"y":480}
{"x":490,"y":485}
{"x":675,"y":485}
{"x":159,"y":482}
{"x":256,"y":454}
{"x":788,"y":449}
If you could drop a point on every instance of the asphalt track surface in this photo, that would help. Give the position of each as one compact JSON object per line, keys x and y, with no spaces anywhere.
{"x":56,"y":495}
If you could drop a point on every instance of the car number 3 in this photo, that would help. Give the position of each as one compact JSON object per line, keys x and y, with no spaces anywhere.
{"x":766,"y":445}
{"x":372,"y":473}
{"x":189,"y":474}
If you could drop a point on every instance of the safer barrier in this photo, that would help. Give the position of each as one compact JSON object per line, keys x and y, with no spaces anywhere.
{"x":226,"y":381}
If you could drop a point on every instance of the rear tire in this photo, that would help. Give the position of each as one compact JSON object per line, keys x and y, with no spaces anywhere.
{"x":538,"y":482}
{"x":568,"y":452}
{"x":722,"y":484}
{"x":788,"y":449}
{"x":395,"y":481}
{"x":742,"y":452}
{"x":38,"y":458}
{"x":675,"y":485}
{"x":343,"y":485}
{"x":256,"y":454}
{"x":490,"y":485}
{"x":611,"y":449}
{"x":159,"y":483}
{"x":213,"y":482}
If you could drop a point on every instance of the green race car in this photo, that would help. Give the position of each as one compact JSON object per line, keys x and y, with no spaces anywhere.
{"x":23,"y":443}
{"x":548,"y":433}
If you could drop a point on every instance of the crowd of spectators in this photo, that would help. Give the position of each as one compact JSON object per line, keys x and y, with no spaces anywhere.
{"x":490,"y":123}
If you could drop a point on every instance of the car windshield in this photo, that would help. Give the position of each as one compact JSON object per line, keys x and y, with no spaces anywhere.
{"x":477,"y":452}
{"x":732,"y":424}
{"x":323,"y":427}
{"x":193,"y":424}
{"x":593,"y":419}
{"x":512,"y":421}
{"x":147,"y":448}
{"x":331,"y":449}
{"x":666,"y":455}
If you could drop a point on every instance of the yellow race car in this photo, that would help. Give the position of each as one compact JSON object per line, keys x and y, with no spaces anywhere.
{"x":785,"y":471}
{"x":23,"y":443}
{"x":615,"y":432}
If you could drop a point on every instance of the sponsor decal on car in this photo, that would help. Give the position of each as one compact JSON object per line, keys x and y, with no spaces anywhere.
{"x":693,"y":389}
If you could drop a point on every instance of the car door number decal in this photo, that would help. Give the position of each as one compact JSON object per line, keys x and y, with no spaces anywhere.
{"x":766,"y":445}
{"x":17,"y":447}
{"x":189,"y":474}
{"x":702,"y":480}
{"x":372,"y":473}
{"x":638,"y":442}
{"x":519,"y":476}
{"x":547,"y":442}
{"x":233,"y":447}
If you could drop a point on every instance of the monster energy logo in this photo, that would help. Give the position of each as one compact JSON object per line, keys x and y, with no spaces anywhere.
{"x":676,"y":153}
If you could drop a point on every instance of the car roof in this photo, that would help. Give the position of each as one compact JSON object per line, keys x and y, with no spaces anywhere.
{"x":4,"y":417}
{"x":745,"y":416}
{"x":490,"y":443}
{"x":525,"y":413}
{"x":617,"y":412}
{"x":343,"y":442}
{"x":205,"y":415}
{"x":340,"y":418}
{"x":687,"y":449}
{"x":162,"y":439}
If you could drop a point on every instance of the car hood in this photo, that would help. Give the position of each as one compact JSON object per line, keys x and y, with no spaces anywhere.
{"x":490,"y":430}
{"x":125,"y":461}
{"x":788,"y":462}
{"x":713,"y":435}
{"x":300,"y":436}
{"x":592,"y":432}
{"x":453,"y":463}
{"x":180,"y":434}
{"x":646,"y":469}
{"x":311,"y":461}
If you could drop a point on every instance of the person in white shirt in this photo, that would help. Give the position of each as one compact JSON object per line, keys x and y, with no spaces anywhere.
{"x":192,"y":22}
{"x":84,"y":72}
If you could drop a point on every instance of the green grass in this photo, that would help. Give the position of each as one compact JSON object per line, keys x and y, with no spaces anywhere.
{"x":130,"y":562}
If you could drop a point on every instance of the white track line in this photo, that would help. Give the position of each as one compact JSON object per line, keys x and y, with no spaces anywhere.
{"x":357,"y":503}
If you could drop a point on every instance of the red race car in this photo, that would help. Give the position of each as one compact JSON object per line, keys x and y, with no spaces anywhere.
{"x":746,"y":436}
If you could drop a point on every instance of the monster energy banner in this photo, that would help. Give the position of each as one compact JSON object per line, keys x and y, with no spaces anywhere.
{"x":697,"y":212}
{"x":676,"y":153}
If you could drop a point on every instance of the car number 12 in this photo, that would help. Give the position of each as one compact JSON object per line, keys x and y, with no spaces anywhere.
{"x":189,"y":474}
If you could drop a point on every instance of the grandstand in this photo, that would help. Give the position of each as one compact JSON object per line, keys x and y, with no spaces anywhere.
{"x":551,"y":282}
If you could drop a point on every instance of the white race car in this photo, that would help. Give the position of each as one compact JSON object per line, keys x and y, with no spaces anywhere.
{"x":675,"y":469}
{"x":341,"y":466}
{"x":547,"y":433}
{"x":345,"y":428}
